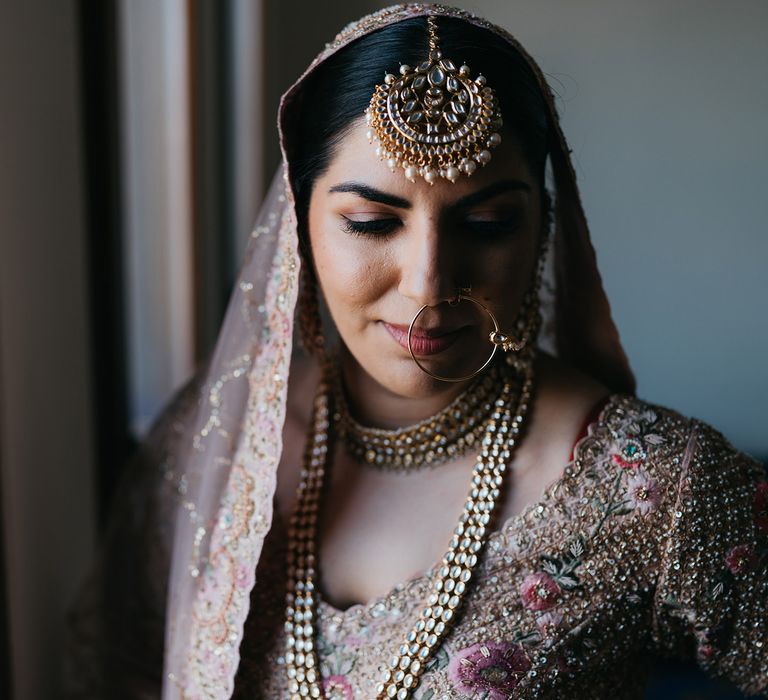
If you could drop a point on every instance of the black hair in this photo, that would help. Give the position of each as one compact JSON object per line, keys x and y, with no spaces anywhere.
{"x":337,"y":93}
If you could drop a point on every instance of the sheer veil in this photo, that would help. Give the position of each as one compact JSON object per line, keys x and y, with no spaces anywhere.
{"x":218,"y":446}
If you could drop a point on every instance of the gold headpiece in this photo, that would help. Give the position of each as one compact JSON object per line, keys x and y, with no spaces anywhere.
{"x":434,"y":120}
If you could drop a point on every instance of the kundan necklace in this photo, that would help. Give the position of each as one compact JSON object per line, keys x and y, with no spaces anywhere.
{"x":448,"y":434}
{"x":449,"y":585}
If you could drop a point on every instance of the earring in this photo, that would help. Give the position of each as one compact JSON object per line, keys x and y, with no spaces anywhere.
{"x":310,"y":323}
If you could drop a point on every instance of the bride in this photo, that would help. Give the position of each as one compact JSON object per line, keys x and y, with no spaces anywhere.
{"x":452,"y":492}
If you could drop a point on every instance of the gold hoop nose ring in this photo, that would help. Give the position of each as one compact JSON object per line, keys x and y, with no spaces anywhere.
{"x":496,"y":337}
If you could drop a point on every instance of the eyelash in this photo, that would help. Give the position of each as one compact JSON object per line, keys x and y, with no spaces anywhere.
{"x":379,"y":227}
{"x":373,"y":227}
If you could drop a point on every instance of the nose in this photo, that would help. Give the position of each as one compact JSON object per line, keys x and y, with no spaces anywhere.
{"x":427,"y":264}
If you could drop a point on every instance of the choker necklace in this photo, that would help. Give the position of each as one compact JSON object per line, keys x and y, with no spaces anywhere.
{"x":450,"y":581}
{"x":449,"y":434}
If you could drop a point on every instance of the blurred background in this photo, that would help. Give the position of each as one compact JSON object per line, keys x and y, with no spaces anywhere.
{"x":137,"y":138}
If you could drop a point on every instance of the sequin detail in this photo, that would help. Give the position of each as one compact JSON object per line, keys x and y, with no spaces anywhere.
{"x":573,"y":594}
{"x":227,"y":576}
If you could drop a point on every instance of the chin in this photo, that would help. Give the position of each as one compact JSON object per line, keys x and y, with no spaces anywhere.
{"x":407,"y":380}
{"x":398,"y":374}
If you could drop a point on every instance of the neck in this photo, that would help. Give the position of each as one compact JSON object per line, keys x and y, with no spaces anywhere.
{"x":374,"y":405}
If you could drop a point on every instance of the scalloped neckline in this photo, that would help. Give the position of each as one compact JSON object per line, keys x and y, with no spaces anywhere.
{"x":510,"y":525}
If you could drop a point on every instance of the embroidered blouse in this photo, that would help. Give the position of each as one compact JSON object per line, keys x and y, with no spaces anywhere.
{"x":653,"y":542}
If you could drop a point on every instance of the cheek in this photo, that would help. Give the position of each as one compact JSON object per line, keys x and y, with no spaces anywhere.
{"x":502,"y":278}
{"x":353,"y":272}
{"x":501,"y":271}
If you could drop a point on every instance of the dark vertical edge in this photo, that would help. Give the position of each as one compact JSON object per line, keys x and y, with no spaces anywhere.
{"x":271,"y":36}
{"x":268,"y":116}
{"x":5,"y":625}
{"x":101,"y":124}
{"x":212,"y":166}
{"x":197,"y":168}
{"x":226,"y":60}
{"x":229,"y":145}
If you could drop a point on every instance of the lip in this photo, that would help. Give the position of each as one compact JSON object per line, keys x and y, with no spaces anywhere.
{"x":424,"y":341}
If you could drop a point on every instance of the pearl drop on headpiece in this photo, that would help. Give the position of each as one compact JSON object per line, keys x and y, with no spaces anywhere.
{"x":433,"y":120}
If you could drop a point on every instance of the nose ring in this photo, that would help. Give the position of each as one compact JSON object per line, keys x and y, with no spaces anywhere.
{"x":497,"y":338}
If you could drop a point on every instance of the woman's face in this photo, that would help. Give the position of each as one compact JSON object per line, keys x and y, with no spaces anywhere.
{"x":383,"y":247}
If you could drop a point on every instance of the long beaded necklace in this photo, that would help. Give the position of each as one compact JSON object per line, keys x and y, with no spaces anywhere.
{"x":449,"y":584}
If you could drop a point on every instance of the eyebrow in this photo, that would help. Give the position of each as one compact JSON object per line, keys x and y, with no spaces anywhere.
{"x":491,"y":191}
{"x":374,"y":195}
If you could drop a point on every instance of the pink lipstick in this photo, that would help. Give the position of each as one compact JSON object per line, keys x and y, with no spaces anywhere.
{"x":423,"y":341}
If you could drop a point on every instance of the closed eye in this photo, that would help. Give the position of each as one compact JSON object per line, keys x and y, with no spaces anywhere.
{"x":493,"y":226}
{"x":370,"y":227}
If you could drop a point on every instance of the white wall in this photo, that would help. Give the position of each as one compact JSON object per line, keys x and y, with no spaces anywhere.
{"x":665,"y":105}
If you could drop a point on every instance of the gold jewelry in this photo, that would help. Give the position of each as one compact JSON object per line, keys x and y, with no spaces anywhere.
{"x":496,"y":337}
{"x":450,"y":583}
{"x":448,"y":434}
{"x":434,"y":120}
{"x":527,"y":324}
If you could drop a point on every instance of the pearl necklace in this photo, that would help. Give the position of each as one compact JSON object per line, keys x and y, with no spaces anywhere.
{"x":449,"y":434}
{"x":449,"y":584}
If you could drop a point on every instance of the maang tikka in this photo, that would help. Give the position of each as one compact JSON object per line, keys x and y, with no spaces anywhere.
{"x":434,"y":120}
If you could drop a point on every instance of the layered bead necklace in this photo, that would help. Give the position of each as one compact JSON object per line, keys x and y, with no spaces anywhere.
{"x":450,"y":582}
{"x":449,"y":434}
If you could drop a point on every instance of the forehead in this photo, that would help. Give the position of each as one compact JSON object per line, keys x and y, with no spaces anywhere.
{"x":355,"y":159}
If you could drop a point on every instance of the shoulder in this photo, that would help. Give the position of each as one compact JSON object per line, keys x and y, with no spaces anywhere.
{"x":675,"y":471}
{"x":712,"y":542}
{"x":641,"y":434}
{"x":565,"y":401}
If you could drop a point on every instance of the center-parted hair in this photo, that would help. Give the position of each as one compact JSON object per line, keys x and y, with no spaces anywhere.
{"x":338,"y":92}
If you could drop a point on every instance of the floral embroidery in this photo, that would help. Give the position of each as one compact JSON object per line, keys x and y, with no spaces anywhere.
{"x":548,"y":623}
{"x":563,"y":568}
{"x":594,"y":592}
{"x":643,"y":493}
{"x":633,"y":491}
{"x":488,"y":670}
{"x":548,"y":626}
{"x":637,"y":436}
{"x":739,"y":558}
{"x":437,"y":663}
{"x":335,"y":660}
{"x":709,"y":638}
{"x":337,"y":688}
{"x":539,"y":591}
{"x":630,"y":455}
{"x":744,"y":558}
